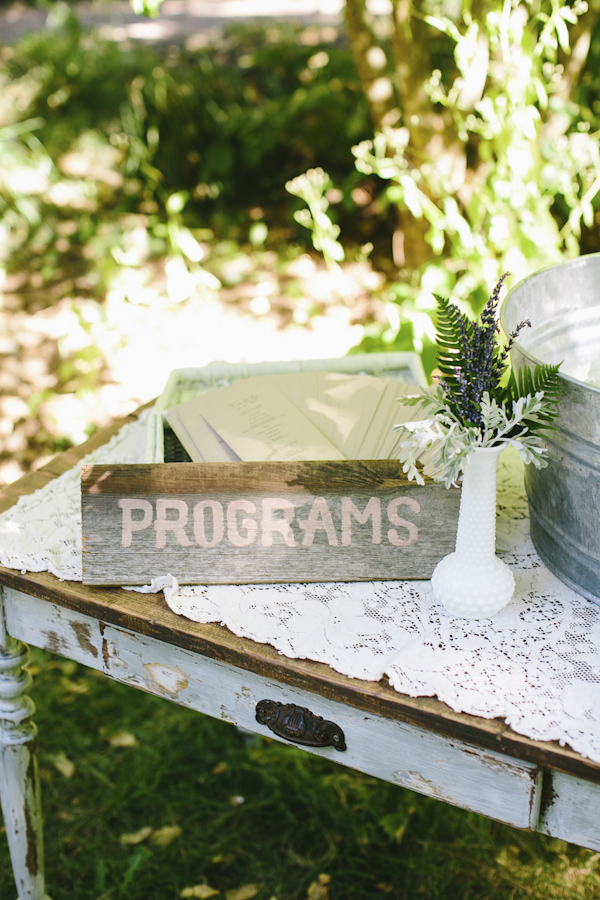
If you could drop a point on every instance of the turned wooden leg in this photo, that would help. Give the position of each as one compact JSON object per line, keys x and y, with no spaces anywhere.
{"x":19,"y":782}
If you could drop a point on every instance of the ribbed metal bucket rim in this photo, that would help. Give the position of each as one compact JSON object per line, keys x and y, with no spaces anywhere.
{"x":504,"y":305}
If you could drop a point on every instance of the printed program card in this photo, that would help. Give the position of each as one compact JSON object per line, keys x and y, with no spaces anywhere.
{"x":261,"y":424}
{"x":341,"y":406}
{"x":299,"y":415}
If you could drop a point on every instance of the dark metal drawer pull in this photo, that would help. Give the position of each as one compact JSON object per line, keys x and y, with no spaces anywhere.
{"x":297,"y":724}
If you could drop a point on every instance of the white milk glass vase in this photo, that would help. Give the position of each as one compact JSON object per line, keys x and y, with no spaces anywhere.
{"x":472,"y":582}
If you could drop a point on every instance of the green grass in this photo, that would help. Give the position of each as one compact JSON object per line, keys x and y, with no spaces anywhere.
{"x":250,"y":811}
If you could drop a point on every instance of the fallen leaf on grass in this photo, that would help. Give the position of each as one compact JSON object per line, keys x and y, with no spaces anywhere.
{"x":137,"y":836}
{"x":123,"y":739}
{"x":64,"y":765}
{"x":67,"y":666}
{"x":202,"y":891}
{"x":319,"y":889}
{"x":75,"y":687}
{"x":246,"y":892}
{"x":164,"y":836}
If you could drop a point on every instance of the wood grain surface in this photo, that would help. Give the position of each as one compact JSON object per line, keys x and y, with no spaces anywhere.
{"x":261,"y":522}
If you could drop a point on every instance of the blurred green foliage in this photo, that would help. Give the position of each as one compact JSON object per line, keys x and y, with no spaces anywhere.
{"x":512,"y":190}
{"x":199,"y":143}
{"x":485,"y":160}
{"x":488,"y":148}
{"x":312,"y":187}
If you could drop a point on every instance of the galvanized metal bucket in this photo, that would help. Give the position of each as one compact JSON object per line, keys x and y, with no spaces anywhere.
{"x":563,"y":305}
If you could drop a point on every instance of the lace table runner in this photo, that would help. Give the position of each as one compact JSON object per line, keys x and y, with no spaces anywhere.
{"x":536,"y":664}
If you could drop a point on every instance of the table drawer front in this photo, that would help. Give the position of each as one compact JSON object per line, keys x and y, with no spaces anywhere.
{"x":570,"y":810}
{"x":461,"y":774}
{"x":464,"y":775}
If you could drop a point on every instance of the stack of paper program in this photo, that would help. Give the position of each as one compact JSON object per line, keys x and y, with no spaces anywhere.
{"x":298,"y":416}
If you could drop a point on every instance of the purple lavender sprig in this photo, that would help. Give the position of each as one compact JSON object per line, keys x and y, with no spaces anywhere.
{"x":471,"y":359}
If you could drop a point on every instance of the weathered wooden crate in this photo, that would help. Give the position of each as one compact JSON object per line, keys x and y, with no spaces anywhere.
{"x":248,"y":522}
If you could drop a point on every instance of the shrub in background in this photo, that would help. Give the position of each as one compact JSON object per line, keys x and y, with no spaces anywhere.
{"x":190,"y":140}
{"x":485,"y":140}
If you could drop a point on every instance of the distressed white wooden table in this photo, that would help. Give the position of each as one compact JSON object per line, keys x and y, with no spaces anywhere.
{"x":421,"y":744}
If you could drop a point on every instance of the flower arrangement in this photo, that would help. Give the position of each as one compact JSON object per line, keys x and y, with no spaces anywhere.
{"x":479,"y":401}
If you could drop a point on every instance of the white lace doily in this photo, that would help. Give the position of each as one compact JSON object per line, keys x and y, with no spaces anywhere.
{"x":536,"y":664}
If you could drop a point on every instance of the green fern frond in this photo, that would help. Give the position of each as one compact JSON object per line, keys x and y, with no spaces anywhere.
{"x":526,"y":381}
{"x":451,"y":328}
{"x":447,"y":326}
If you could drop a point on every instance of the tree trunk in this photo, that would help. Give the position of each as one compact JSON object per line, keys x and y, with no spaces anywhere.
{"x":370,"y":60}
{"x":396,"y":99}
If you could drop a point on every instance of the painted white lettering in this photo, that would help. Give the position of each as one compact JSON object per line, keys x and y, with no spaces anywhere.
{"x":371,"y":510}
{"x":129,"y":524}
{"x":249,"y":525}
{"x":395,"y":519}
{"x":218,"y":523}
{"x":319,"y":518}
{"x":163,"y":524}
{"x":280,"y":524}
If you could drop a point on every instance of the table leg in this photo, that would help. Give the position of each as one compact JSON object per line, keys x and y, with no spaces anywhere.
{"x":19,"y":781}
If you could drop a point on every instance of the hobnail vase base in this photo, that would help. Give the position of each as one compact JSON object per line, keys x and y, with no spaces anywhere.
{"x":473,"y":591}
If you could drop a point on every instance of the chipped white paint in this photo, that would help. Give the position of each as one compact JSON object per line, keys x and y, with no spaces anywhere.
{"x":495,"y":785}
{"x":571,"y":810}
{"x":167,"y":680}
{"x":491,"y":784}
{"x":463,"y":775}
{"x":19,"y":781}
{"x":54,"y":628}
